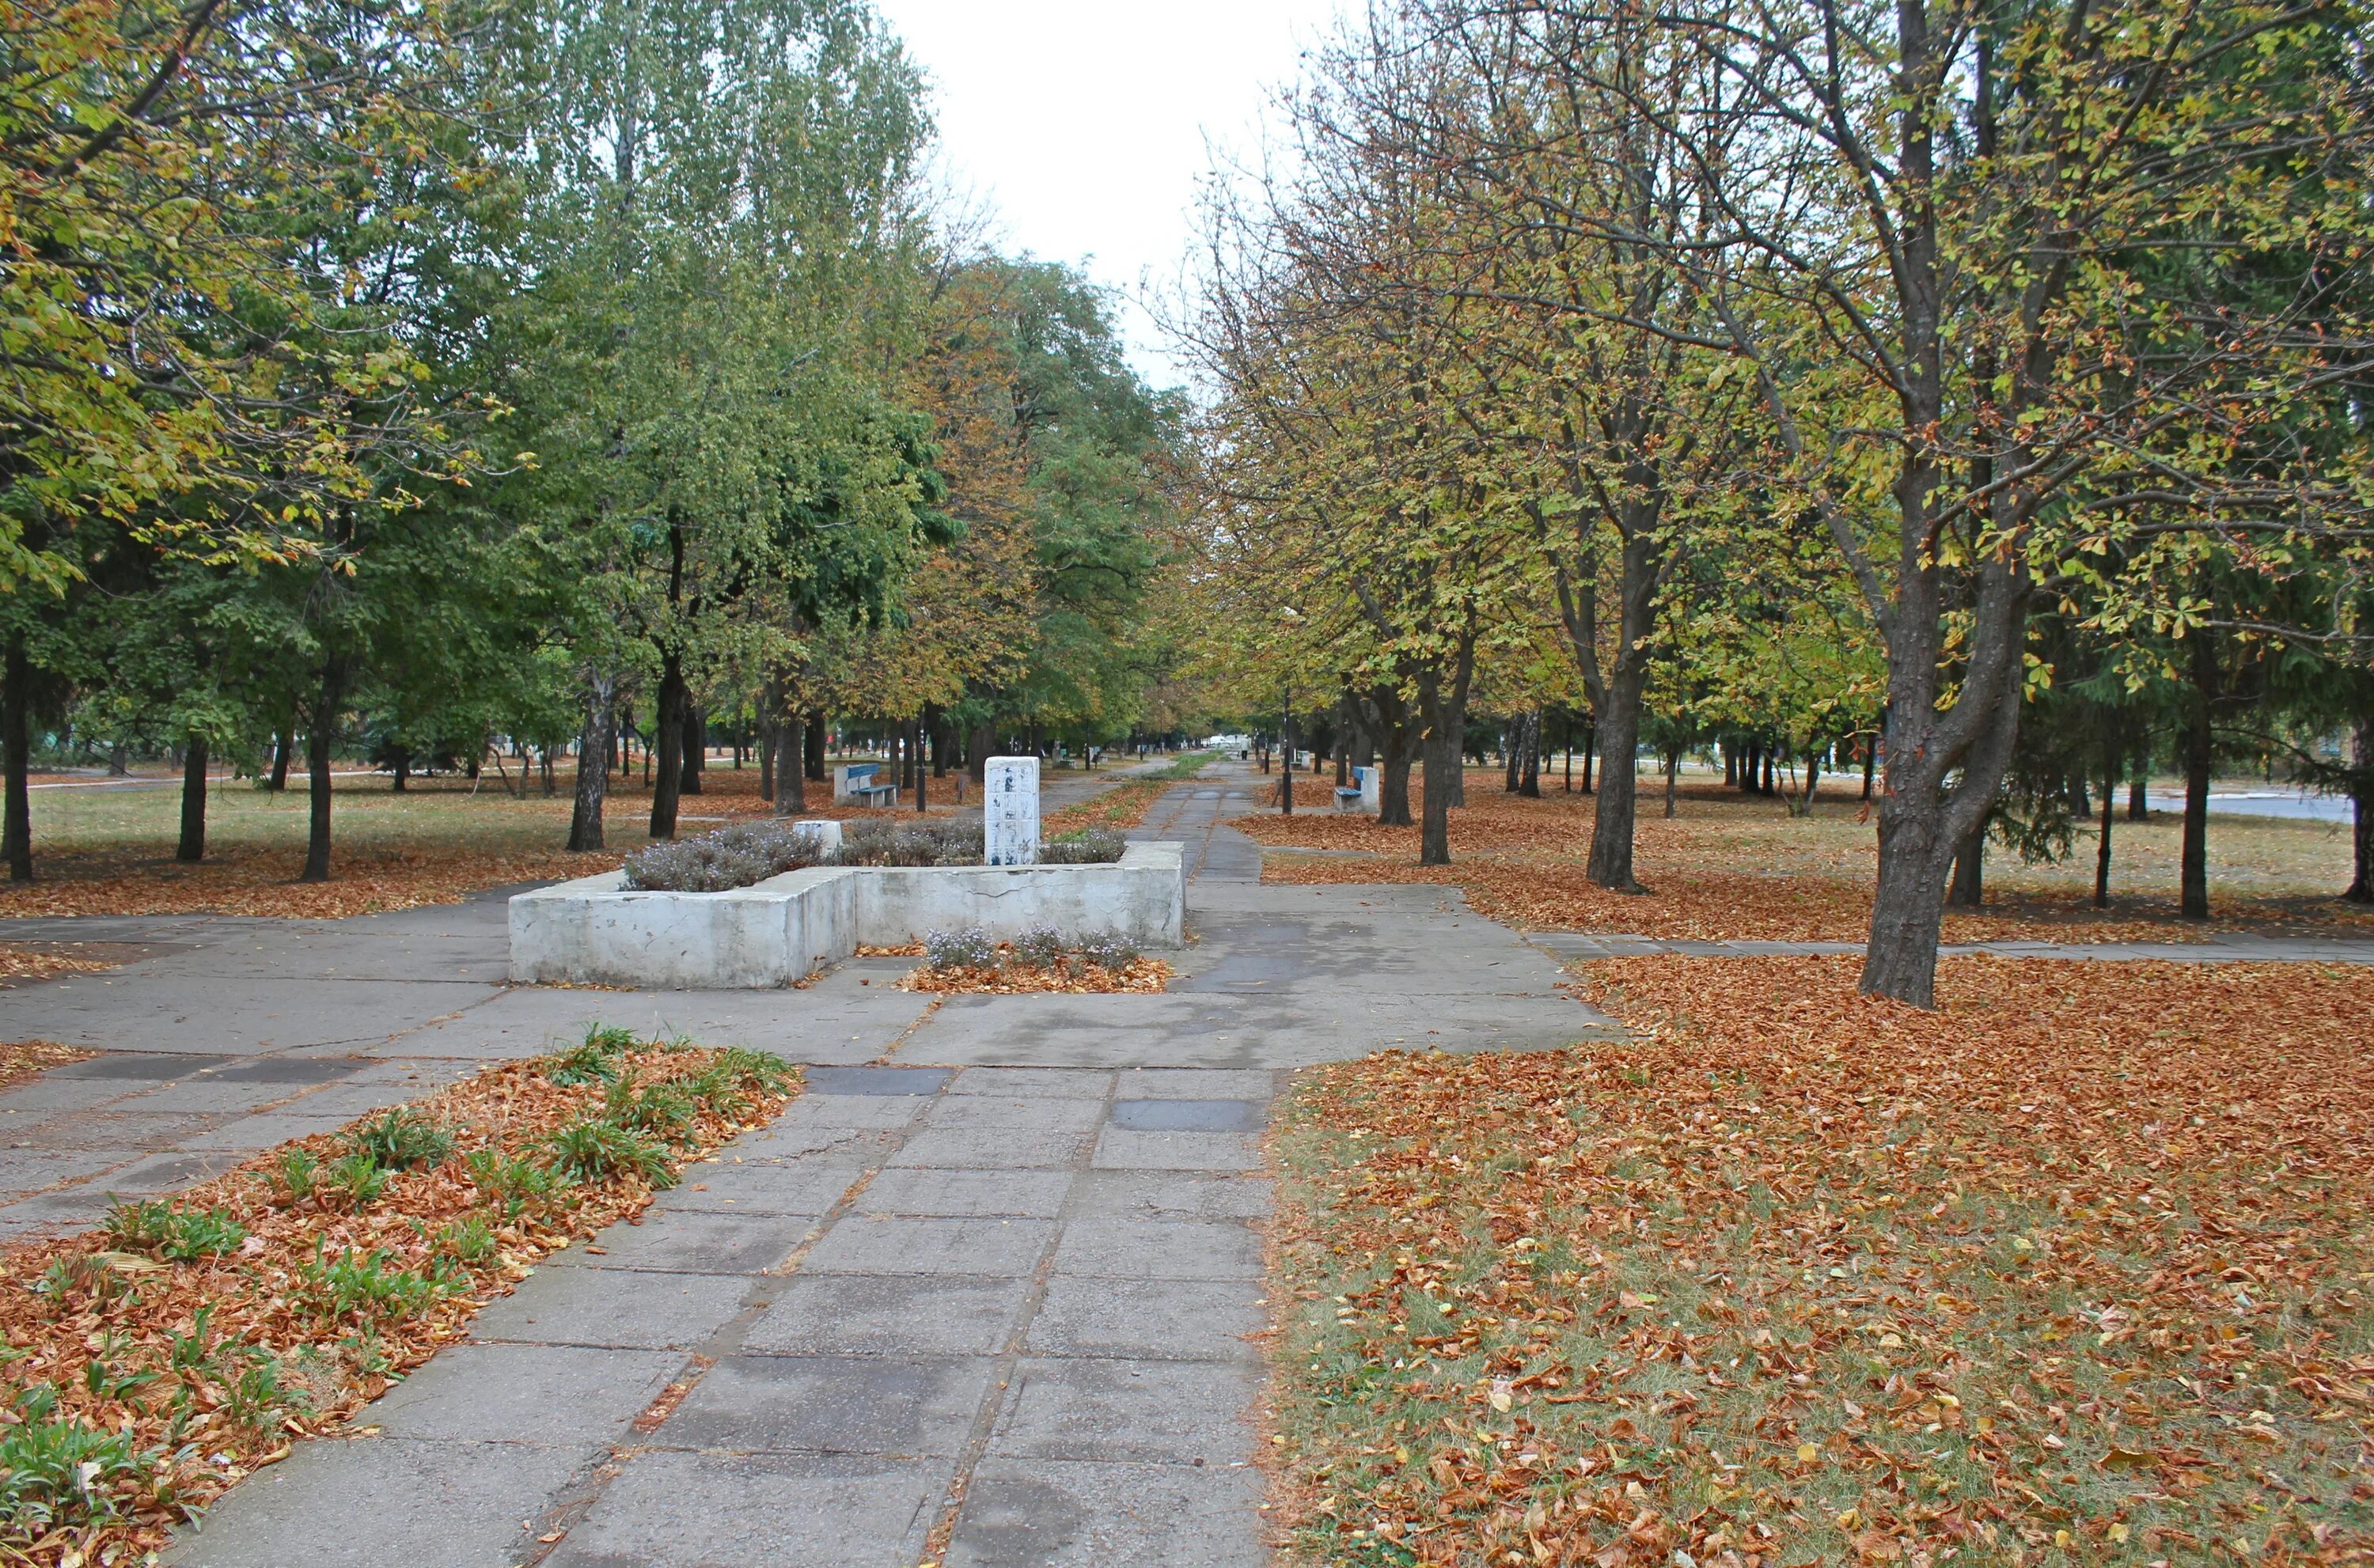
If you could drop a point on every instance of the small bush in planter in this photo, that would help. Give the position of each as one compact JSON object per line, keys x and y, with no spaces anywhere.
{"x":736,"y":856}
{"x":881,"y":843}
{"x":1090,"y":847}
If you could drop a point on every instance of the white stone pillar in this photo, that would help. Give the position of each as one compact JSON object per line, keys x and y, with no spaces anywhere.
{"x":1010,"y":812}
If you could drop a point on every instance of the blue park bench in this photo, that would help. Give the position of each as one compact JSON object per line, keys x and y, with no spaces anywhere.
{"x":860,"y":785}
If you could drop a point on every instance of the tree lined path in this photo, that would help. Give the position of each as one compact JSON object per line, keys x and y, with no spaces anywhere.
{"x":981,"y":1295}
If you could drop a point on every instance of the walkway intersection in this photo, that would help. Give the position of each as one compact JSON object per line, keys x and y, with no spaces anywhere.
{"x":984,"y":1295}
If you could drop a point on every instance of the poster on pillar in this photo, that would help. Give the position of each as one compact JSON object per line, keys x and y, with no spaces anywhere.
{"x":1010,"y":811}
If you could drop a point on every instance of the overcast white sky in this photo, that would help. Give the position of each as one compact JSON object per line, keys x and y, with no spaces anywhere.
{"x":1084,"y":123}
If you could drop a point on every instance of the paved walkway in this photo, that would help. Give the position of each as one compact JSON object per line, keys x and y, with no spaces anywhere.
{"x":985,"y":1290}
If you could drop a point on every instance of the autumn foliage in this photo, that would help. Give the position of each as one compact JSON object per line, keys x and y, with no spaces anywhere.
{"x":2072,"y":1268}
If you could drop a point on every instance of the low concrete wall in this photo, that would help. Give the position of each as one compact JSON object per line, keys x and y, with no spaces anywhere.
{"x":595,"y":930}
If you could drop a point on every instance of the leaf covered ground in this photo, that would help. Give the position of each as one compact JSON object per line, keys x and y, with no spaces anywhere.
{"x":1733,"y":867}
{"x":2075,"y":1269}
{"x":21,"y":1059}
{"x":40,"y":963}
{"x":151,"y":1364}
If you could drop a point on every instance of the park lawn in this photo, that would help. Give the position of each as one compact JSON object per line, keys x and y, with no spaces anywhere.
{"x":111,"y":851}
{"x":2075,"y":1269}
{"x":154,"y":1364}
{"x":1733,"y":867}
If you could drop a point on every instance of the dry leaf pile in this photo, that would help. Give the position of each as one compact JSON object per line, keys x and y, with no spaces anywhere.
{"x":20,"y":1059}
{"x":1522,"y":862}
{"x":36,"y":964}
{"x":1013,"y":978}
{"x":2075,"y":1269}
{"x":153,"y":1364}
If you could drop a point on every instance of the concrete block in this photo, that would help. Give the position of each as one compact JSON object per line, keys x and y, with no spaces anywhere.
{"x":595,"y":930}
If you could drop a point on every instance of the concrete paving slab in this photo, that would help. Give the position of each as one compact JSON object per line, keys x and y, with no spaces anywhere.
{"x":1165,"y":1319}
{"x":860,"y":1111}
{"x":994,"y":1148}
{"x":1008,"y":1113}
{"x":691,"y":1242}
{"x":1068,"y":1082}
{"x":759,"y":1187}
{"x":1068,"y":1514}
{"x":892,"y":1406}
{"x":859,"y":1315}
{"x":551,"y":1394}
{"x":116,"y":1128}
{"x":893,"y":1080}
{"x":679,"y":1510}
{"x":615,"y":1308}
{"x":867,"y":1244}
{"x":1120,"y":1148}
{"x":1190,"y":1116}
{"x":230,"y":1015}
{"x":524,"y":1020}
{"x":1173,"y":1413}
{"x":1173,"y":1195}
{"x":1125,"y":1248}
{"x":959,"y":1194}
{"x":249,"y":1133}
{"x":369,"y":1503}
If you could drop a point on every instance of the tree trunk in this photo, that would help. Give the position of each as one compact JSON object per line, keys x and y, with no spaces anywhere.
{"x":544,"y":763}
{"x":283,"y":746}
{"x":1590,"y":751}
{"x":1901,"y":960}
{"x":399,"y":771}
{"x":119,"y":760}
{"x":1870,"y":762}
{"x":767,"y":727}
{"x":2361,"y":800}
{"x":1613,"y":819}
{"x":943,"y":735}
{"x":1286,"y":764}
{"x":2192,"y":902}
{"x":696,"y":748}
{"x":320,"y":736}
{"x":1672,"y":778}
{"x":1530,"y":783}
{"x":1509,"y":748}
{"x":193,"y":846}
{"x":17,"y":755}
{"x":1444,"y":707}
{"x":2102,"y":842}
{"x":814,"y":744}
{"x":594,"y":743}
{"x":1970,"y":887}
{"x":985,"y":743}
{"x":2139,"y":788}
{"x":791,"y":787}
{"x":668,"y":733}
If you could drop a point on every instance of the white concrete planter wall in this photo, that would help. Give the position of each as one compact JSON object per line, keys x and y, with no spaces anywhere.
{"x":595,"y":931}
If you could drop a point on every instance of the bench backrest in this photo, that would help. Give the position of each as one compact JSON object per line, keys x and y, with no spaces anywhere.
{"x":859,"y":772}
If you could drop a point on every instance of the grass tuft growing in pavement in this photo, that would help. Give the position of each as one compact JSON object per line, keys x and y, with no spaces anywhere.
{"x":151,"y":1364}
{"x":2074,"y":1270}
